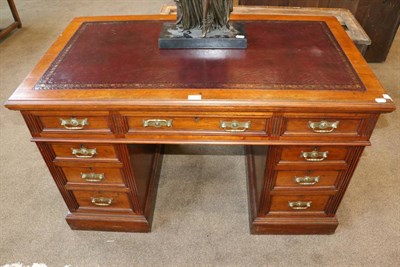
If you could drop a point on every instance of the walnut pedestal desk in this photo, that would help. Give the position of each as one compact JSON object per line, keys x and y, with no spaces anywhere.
{"x":104,"y":99}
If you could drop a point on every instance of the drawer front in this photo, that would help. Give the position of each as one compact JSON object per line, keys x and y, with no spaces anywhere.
{"x":84,"y":151}
{"x":322,"y":126}
{"x":314,"y":154}
{"x":102,"y":200}
{"x":306,"y":179}
{"x":299,"y":203}
{"x":74,"y":122}
{"x":197,"y":124}
{"x":97,"y":175}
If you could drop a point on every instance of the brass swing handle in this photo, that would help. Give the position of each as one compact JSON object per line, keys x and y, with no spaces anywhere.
{"x":235,"y":126}
{"x":84,"y":152}
{"x":300,"y":205}
{"x":307,"y":180}
{"x":74,"y":123}
{"x":102,"y":201}
{"x":323,"y":126}
{"x":157,"y":123}
{"x":314,"y":155}
{"x":93,"y":177}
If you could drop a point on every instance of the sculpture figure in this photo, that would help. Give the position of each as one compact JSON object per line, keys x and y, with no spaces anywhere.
{"x":198,"y":19}
{"x":205,"y":14}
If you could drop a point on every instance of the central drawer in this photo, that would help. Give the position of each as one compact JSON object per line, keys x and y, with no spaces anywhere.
{"x":197,"y":124}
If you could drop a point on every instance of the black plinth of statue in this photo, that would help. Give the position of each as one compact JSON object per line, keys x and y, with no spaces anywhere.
{"x":174,"y":37}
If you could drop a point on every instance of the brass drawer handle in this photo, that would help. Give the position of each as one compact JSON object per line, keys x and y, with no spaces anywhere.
{"x":323,"y":126}
{"x":157,"y":123}
{"x":84,"y":152}
{"x":300,"y":205}
{"x":92,"y":177}
{"x":314,"y":155}
{"x":74,"y":123}
{"x":102,"y":201}
{"x":235,"y":126}
{"x":306,"y":180}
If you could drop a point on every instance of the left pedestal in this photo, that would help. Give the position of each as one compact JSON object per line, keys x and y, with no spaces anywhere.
{"x":107,"y":187}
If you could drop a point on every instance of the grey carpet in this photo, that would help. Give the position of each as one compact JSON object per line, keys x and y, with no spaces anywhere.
{"x":201,"y":213}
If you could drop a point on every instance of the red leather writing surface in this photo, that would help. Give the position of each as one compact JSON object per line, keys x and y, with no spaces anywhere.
{"x":280,"y":55}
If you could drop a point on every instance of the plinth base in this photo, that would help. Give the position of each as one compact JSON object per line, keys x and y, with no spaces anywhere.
{"x":172,"y":37}
{"x":116,"y":223}
{"x":293,"y":226}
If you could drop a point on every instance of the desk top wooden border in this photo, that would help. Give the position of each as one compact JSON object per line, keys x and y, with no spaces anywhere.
{"x":25,"y":97}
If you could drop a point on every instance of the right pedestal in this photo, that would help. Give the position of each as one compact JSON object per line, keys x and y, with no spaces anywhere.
{"x":297,"y":189}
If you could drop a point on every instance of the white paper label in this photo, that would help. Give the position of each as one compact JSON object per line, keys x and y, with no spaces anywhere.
{"x":380,"y":100}
{"x":386,"y":96}
{"x":194,"y":97}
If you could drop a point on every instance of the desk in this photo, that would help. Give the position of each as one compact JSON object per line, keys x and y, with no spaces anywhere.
{"x":104,"y":99}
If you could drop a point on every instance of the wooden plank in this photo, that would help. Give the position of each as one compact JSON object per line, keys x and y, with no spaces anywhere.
{"x":304,"y":3}
{"x":350,"y":5}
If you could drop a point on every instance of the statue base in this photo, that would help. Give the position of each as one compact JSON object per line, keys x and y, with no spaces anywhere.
{"x":173,"y":37}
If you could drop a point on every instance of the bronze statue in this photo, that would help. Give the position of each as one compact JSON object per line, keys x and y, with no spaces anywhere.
{"x":197,"y":19}
{"x":205,"y":14}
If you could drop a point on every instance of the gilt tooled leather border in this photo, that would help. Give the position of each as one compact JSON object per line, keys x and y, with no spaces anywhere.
{"x":46,"y":81}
